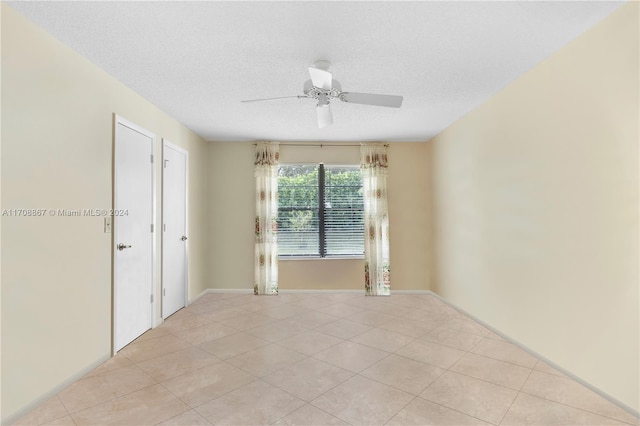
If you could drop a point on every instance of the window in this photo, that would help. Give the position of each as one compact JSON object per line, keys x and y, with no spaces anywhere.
{"x":320,"y":211}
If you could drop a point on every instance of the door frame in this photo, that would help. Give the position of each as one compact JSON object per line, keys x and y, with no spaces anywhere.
{"x":168,"y":144}
{"x":119,"y":120}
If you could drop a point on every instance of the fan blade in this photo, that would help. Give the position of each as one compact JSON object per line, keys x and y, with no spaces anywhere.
{"x":274,"y":99}
{"x":371,"y":99}
{"x":321,"y":78}
{"x":324,"y":115}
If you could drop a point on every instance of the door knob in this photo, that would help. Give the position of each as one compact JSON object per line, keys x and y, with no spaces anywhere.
{"x":122,"y":247}
{"x":183,"y":238}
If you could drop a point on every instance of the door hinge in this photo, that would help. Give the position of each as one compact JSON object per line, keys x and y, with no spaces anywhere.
{"x":165,"y":163}
{"x":164,"y":227}
{"x":152,"y":298}
{"x":152,"y":227}
{"x":164,"y":291}
{"x":152,"y":158}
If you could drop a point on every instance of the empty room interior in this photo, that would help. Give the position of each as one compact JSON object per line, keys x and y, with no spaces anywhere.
{"x":495,"y":280}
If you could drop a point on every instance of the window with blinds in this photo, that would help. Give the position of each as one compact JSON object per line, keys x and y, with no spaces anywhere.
{"x":320,"y":211}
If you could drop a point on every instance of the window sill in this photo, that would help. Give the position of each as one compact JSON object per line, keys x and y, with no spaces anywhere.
{"x":297,"y":258}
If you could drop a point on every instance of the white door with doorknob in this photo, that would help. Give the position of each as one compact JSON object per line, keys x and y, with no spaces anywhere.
{"x":132,"y":232}
{"x":174,"y":229}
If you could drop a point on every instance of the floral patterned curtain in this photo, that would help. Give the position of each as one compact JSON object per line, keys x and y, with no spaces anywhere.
{"x":374,"y":166}
{"x":266,"y":225}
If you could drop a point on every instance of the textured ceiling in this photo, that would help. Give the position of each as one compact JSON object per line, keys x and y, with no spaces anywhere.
{"x":198,"y":60}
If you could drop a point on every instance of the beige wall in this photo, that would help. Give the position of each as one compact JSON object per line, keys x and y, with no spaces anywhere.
{"x":536,"y":208}
{"x":57,"y":110}
{"x":409,"y":217}
{"x":232,"y":204}
{"x":232,"y":212}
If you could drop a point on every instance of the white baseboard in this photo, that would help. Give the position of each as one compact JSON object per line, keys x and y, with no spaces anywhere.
{"x":320,"y":291}
{"x":53,"y":392}
{"x":302,"y":291}
{"x":540,"y":357}
{"x":221,"y":290}
{"x":290,"y":291}
{"x":427,"y":292}
{"x":231,"y":290}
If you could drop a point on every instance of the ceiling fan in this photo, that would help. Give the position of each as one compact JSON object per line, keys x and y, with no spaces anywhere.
{"x":323,"y":88}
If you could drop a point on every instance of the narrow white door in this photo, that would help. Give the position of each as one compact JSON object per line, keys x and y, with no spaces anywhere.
{"x":133,"y":232}
{"x":174,"y":235}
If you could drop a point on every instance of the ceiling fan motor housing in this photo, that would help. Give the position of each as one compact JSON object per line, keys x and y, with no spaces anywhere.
{"x":314,"y":92}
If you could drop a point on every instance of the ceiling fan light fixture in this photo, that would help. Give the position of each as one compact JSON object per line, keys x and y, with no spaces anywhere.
{"x":323,"y":100}
{"x":324,"y":116}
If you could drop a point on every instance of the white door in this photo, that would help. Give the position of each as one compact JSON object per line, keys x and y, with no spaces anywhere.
{"x":133,"y":232}
{"x":174,"y":235}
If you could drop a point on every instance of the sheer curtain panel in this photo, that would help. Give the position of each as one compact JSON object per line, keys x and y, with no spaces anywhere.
{"x":374,"y":166}
{"x":266,"y":224}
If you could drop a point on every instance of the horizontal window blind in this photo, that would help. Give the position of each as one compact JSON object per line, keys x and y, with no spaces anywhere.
{"x":298,"y":212}
{"x":320,"y":211}
{"x":343,"y":211}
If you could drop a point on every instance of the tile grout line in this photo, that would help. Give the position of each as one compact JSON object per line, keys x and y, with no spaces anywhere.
{"x":303,"y":353}
{"x":189,"y":407}
{"x":218,"y":396}
{"x":454,"y":409}
{"x":392,"y":386}
{"x":519,"y":391}
{"x":497,"y":359}
{"x":154,"y":357}
{"x":218,"y":360}
{"x":567,"y":404}
{"x":133,"y":365}
{"x":180,"y":414}
{"x":238,"y":354}
{"x":445,"y":370}
{"x":58,"y":418}
{"x":305,"y":402}
{"x":271,"y":372}
{"x":576,"y":408}
{"x":400,"y":410}
{"x":501,"y":360}
{"x":455,"y":372}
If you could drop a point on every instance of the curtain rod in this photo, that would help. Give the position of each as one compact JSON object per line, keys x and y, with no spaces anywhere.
{"x":318,"y":144}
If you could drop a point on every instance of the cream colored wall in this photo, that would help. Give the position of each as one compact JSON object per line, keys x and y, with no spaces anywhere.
{"x":57,"y":126}
{"x":536,"y":208}
{"x":232,"y":212}
{"x":232,"y":206}
{"x":409,"y":217}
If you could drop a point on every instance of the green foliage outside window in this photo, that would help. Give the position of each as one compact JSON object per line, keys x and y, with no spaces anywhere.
{"x":299,"y":212}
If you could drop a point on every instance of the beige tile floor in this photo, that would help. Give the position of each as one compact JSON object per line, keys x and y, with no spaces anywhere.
{"x":324,"y":359}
